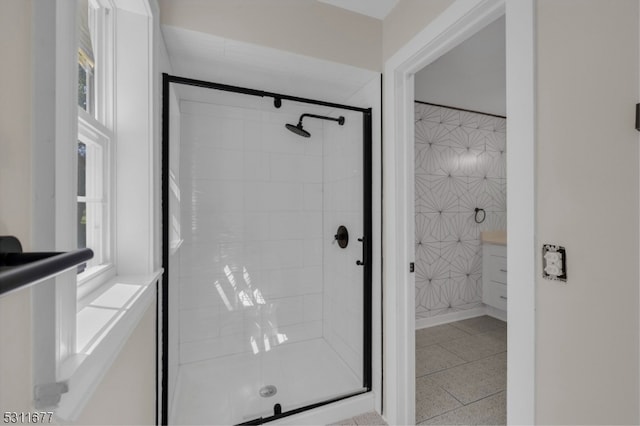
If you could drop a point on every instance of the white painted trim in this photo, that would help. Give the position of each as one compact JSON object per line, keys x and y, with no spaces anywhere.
{"x":377,"y":326}
{"x":153,"y":203}
{"x":521,"y":207}
{"x":84,"y":371}
{"x":457,"y":23}
{"x":461,"y":20}
{"x":54,"y":132}
{"x":135,"y":184}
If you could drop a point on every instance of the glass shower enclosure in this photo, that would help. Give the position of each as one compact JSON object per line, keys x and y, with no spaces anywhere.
{"x":266,"y":295}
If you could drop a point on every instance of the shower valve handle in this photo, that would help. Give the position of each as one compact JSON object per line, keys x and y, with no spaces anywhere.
{"x":362,"y":262}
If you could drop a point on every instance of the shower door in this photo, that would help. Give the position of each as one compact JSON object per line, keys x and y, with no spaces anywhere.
{"x":266,"y":306}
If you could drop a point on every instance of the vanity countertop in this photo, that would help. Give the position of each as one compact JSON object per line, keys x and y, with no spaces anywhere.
{"x":494,"y":237}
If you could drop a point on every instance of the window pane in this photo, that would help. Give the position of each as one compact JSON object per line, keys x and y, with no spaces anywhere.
{"x":86,"y":58}
{"x":85,"y":87}
{"x":82,"y":87}
{"x":82,"y":225}
{"x":82,"y":169}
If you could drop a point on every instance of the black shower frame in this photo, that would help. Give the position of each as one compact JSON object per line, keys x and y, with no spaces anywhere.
{"x":167,"y":79}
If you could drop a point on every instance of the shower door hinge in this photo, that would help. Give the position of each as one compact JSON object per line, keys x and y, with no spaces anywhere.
{"x":412,"y":267}
{"x":49,"y":395}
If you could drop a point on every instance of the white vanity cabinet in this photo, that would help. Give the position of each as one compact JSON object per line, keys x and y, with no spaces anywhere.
{"x":494,"y":275}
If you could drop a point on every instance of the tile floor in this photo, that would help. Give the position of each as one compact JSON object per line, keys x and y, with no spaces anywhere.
{"x":461,"y":373}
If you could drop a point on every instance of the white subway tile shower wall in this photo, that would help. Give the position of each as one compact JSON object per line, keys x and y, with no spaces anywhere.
{"x":251,"y":264}
{"x":343,"y":205}
{"x":175,"y":199}
{"x":460,"y":164}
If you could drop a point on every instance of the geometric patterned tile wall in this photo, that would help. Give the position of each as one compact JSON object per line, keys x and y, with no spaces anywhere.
{"x":460,"y":164}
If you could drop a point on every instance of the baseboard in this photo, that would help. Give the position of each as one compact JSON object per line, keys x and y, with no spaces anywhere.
{"x":496,"y":313}
{"x":450,"y":317}
{"x":461,"y":315}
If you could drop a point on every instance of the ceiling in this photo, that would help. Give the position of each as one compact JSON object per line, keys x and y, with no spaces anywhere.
{"x":470,"y":76}
{"x":212,"y":58}
{"x":378,"y":9}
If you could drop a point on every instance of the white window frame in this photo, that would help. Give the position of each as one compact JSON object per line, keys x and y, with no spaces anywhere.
{"x":65,"y":376}
{"x":99,"y":198}
{"x":96,"y":131}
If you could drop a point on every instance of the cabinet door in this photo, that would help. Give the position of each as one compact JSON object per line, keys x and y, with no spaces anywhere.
{"x":495,"y":294}
{"x":494,"y":276}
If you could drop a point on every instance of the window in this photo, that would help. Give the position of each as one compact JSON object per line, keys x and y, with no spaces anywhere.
{"x":95,"y":144}
{"x":86,"y":86}
{"x":86,"y":61}
{"x":93,"y":191}
{"x":81,"y":321}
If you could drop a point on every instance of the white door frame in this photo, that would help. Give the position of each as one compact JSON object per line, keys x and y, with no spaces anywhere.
{"x":460,"y":21}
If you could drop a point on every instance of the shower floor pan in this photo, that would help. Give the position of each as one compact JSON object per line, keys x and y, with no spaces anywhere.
{"x":227,"y":390}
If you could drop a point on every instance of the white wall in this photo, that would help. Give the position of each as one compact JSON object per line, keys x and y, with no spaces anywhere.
{"x":251,"y":262}
{"x":306,"y":27}
{"x":406,"y":19}
{"x":587,"y":201}
{"x":126,"y":396}
{"x":470,"y":76}
{"x":15,"y":196}
{"x":343,"y":205}
{"x":460,"y":165}
{"x":15,"y":108}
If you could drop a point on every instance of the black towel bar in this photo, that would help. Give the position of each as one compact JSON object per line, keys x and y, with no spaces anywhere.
{"x":18,"y":269}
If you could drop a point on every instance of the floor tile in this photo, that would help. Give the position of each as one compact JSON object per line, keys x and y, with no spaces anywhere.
{"x":369,"y":419}
{"x":480,"y":324}
{"x":345,"y":422}
{"x":475,"y":380}
{"x":438,"y":334}
{"x":477,"y":346}
{"x":496,"y":363}
{"x":489,"y":411}
{"x":432,"y":400}
{"x":435,"y":358}
{"x":499,"y":333}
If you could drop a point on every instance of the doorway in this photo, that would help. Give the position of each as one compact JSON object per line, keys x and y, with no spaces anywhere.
{"x":454,"y":26}
{"x":460,"y":212}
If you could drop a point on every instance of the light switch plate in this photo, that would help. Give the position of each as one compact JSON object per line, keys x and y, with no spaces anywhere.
{"x":554,"y":262}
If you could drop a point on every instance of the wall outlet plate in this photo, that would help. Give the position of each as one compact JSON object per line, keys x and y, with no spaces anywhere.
{"x":554,"y":262}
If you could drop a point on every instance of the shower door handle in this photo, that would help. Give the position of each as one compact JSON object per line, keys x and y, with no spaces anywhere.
{"x":363,"y":240}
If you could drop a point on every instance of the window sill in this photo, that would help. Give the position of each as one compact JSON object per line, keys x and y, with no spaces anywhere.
{"x":92,"y":279}
{"x":104,"y":325}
